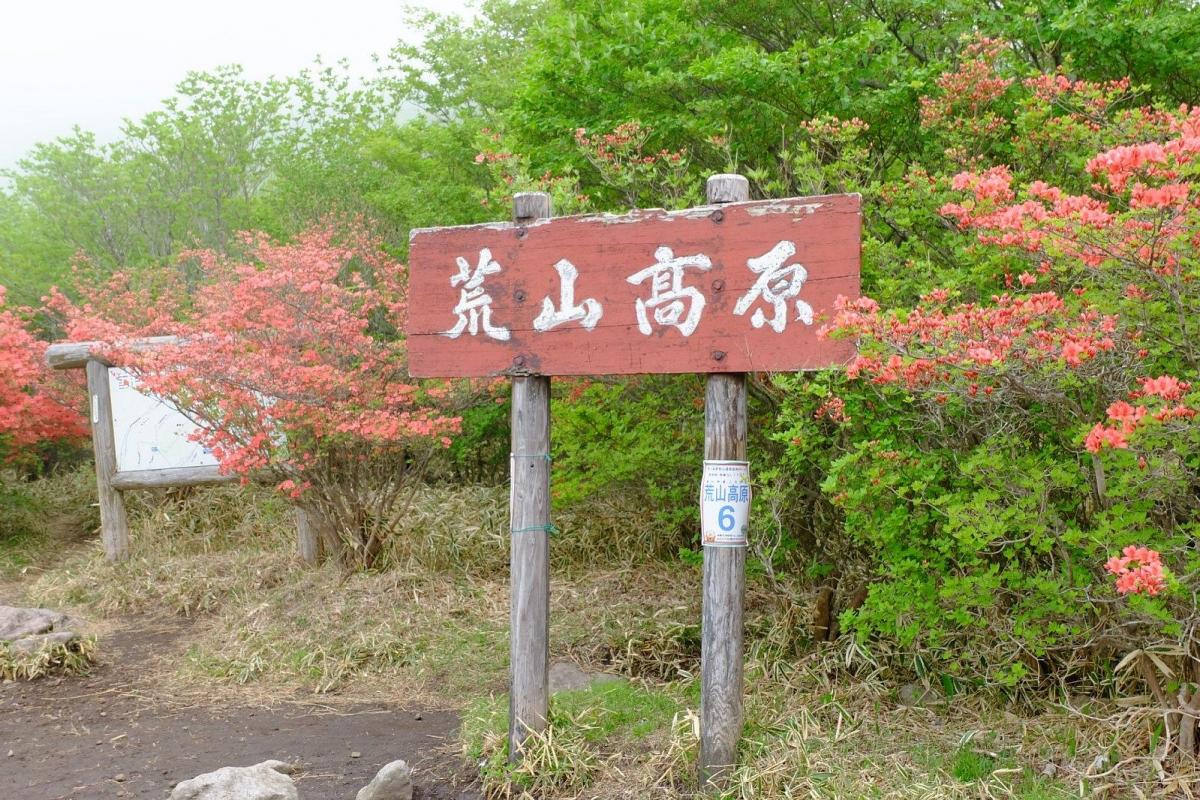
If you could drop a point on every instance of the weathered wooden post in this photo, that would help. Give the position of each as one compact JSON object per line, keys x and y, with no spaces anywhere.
{"x":308,"y":537}
{"x":529,"y":695}
{"x":114,"y":524}
{"x":724,"y":567}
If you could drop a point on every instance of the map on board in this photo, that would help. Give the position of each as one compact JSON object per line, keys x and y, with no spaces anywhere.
{"x":151,"y":433}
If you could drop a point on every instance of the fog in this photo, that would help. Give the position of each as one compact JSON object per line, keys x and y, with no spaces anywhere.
{"x":88,"y":63}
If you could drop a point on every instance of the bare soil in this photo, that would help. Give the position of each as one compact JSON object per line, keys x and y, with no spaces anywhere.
{"x":107,"y":735}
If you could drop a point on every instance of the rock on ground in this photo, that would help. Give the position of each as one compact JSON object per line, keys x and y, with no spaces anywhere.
{"x":18,"y":623}
{"x":26,"y":630}
{"x":393,"y":782}
{"x":266,"y":781}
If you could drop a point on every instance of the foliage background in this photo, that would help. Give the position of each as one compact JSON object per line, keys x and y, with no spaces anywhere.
{"x":897,"y":512}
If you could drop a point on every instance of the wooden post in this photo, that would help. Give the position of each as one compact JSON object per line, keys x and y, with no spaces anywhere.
{"x":114,"y":525}
{"x":308,"y":538}
{"x":529,"y":695}
{"x":724,"y":567}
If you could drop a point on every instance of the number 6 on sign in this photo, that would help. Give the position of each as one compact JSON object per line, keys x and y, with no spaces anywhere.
{"x":725,"y":519}
{"x":725,"y":503}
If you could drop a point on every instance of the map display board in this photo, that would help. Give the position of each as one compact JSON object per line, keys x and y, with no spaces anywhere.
{"x":150,"y":432}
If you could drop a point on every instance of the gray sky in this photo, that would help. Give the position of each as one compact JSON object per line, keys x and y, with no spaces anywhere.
{"x":93,"y":62}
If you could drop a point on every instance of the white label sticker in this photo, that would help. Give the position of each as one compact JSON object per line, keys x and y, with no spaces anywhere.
{"x":725,"y":503}
{"x":95,"y":409}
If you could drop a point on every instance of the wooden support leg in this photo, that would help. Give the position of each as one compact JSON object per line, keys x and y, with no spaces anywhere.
{"x":529,"y":696}
{"x":114,"y":524}
{"x":308,"y":536}
{"x":724,"y":589}
{"x":724,"y":567}
{"x":529,"y":701}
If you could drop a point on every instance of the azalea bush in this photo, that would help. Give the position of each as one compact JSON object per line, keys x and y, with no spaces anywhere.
{"x":34,"y":409}
{"x":291,"y":359}
{"x":1021,"y":407}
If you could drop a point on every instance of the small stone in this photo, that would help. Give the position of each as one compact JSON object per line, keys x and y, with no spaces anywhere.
{"x":356,"y":754}
{"x":916,"y":694}
{"x":393,"y":782}
{"x":418,"y":717}
{"x":119,"y":777}
{"x":11,"y":754}
{"x":566,"y":676}
{"x":1050,"y":769}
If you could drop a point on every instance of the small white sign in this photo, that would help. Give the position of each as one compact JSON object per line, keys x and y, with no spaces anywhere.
{"x":725,"y":503}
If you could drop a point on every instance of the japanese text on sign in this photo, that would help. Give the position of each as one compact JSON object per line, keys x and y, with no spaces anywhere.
{"x":725,"y":503}
{"x":737,"y":288}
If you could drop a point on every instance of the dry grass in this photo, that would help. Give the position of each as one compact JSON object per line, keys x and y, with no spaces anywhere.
{"x":431,"y":628}
{"x":413,"y":639}
{"x":593,"y":735}
{"x":464,"y":531}
{"x":54,"y":658}
{"x":556,"y":761}
{"x":191,"y":551}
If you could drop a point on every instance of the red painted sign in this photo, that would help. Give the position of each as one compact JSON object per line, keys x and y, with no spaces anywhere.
{"x":734,"y":288}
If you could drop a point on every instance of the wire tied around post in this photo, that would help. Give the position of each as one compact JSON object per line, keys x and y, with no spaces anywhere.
{"x":549,"y":528}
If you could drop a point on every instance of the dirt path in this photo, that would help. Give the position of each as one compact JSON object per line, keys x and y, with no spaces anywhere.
{"x":101,"y":737}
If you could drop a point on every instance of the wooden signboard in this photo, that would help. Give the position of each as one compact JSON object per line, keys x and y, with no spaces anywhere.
{"x":741,"y":287}
{"x":725,"y":289}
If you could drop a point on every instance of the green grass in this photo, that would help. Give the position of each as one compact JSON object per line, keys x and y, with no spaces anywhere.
{"x":42,"y":519}
{"x":611,"y":713}
{"x":590,"y":732}
{"x":968,"y":766}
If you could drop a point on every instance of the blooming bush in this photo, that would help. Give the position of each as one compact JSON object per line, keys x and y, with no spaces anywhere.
{"x":32,"y":412}
{"x":625,"y":161}
{"x":292,"y":361}
{"x":1021,"y":405}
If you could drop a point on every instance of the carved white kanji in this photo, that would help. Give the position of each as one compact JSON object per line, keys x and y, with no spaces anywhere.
{"x":672,"y":303}
{"x":474,"y":307}
{"x":587,"y":313}
{"x":777,"y":284}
